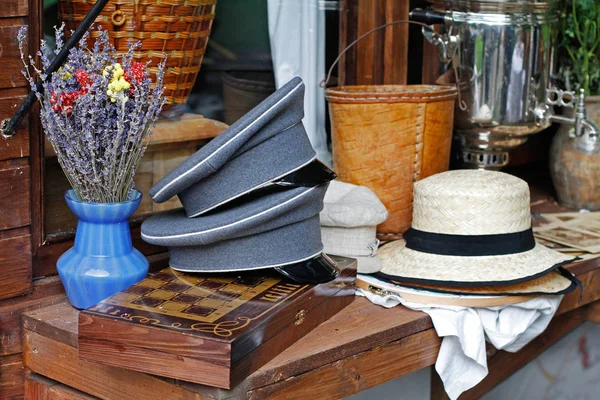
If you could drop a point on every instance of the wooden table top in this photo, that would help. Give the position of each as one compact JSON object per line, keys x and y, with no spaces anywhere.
{"x":348,"y":353}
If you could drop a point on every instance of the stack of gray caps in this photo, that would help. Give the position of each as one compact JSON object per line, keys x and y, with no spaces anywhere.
{"x":251,"y":198}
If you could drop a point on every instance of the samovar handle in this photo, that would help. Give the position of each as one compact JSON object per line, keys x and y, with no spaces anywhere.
{"x":582,"y":127}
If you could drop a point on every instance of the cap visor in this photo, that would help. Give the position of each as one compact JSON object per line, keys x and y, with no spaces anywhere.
{"x":319,"y":269}
{"x":313,"y":174}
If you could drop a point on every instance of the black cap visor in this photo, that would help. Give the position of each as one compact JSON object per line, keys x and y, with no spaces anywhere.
{"x":319,"y":269}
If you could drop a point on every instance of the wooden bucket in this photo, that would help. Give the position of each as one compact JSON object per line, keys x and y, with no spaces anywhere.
{"x":387,"y":137}
{"x":177,"y":28}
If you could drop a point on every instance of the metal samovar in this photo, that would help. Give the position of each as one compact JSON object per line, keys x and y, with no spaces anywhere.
{"x":500,"y":55}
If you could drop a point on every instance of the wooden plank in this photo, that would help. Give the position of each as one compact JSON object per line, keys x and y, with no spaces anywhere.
{"x":366,"y":49}
{"x":106,"y":382}
{"x":38,"y":387}
{"x":504,"y":364}
{"x":591,"y":312}
{"x":588,"y":272}
{"x":348,"y":25}
{"x":359,"y":327}
{"x":45,"y":292}
{"x":395,"y":54}
{"x":114,"y":332}
{"x":430,"y":67}
{"x":36,"y":138}
{"x":381,"y":57}
{"x":13,"y":8}
{"x":362,"y":371}
{"x":15,"y":192}
{"x":18,"y":145}
{"x":9,"y":30}
{"x":12,"y":378}
{"x":15,"y":262}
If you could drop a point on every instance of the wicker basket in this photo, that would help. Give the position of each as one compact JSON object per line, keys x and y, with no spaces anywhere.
{"x":388,"y":137}
{"x":177,"y":28}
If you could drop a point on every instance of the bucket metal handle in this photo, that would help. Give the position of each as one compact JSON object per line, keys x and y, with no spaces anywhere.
{"x":426,"y":28}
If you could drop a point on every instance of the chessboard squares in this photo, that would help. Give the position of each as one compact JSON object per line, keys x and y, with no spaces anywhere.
{"x":189,"y":280}
{"x":161,"y":294}
{"x":198,"y":292}
{"x":225,"y":296}
{"x":238,"y":289}
{"x":162,"y":276}
{"x":210,"y":303}
{"x":175,"y":287}
{"x":210,"y":284}
{"x":151,"y":283}
{"x":173,"y":306}
{"x":148,"y":302}
{"x":186,"y":298}
{"x":199,"y":311}
{"x":249,"y":281}
{"x":138,"y":290}
{"x":123,"y":297}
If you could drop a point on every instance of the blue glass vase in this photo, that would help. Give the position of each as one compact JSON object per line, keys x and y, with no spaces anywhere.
{"x":103,"y":261}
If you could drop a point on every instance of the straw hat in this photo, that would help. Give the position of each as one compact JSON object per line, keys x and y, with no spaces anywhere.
{"x":471,"y":228}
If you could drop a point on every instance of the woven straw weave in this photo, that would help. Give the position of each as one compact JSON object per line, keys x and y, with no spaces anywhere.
{"x":469,"y":202}
{"x":409,"y":264}
{"x":388,"y":137}
{"x":178,"y":29}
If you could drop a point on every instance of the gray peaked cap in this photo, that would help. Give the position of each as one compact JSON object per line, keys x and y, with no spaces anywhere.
{"x":264,"y":145}
{"x":247,"y":216}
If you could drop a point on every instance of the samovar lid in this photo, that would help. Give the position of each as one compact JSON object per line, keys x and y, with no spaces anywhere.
{"x":495,"y":6}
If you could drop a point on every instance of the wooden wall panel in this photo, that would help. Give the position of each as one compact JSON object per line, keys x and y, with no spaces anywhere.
{"x":381,"y":57}
{"x":18,"y":145}
{"x":9,"y":29}
{"x":12,"y":377}
{"x":38,"y":387}
{"x":14,"y":8}
{"x":15,"y":193}
{"x":15,"y":262}
{"x":45,"y":292}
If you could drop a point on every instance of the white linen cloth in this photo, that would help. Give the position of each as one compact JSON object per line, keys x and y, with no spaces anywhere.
{"x":462,"y":361}
{"x":297,"y":36}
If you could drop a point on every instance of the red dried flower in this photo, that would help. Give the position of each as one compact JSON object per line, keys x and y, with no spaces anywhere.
{"x":135,"y":72}
{"x":83,"y":78}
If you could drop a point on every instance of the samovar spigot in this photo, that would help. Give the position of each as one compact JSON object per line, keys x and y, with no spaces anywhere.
{"x":582,"y":127}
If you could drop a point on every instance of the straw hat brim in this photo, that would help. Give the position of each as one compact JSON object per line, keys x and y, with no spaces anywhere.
{"x":409,"y":265}
{"x":555,"y":282}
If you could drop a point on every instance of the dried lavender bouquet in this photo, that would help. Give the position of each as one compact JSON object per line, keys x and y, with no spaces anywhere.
{"x":98,"y":113}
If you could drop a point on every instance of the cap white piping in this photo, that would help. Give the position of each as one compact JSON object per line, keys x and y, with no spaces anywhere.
{"x":245,"y":269}
{"x":254,"y":188}
{"x":233,"y":223}
{"x":225,"y":144}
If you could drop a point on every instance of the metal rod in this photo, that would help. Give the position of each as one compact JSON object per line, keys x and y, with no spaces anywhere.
{"x":8,"y":126}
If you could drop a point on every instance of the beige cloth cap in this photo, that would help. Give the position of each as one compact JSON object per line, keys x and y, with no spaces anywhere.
{"x":346,"y":205}
{"x":348,"y":224}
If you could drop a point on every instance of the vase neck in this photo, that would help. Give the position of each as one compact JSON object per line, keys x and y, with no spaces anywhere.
{"x":103,"y":239}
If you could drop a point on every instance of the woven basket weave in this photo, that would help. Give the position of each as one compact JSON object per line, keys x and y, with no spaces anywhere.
{"x":388,"y":137}
{"x":177,"y":28}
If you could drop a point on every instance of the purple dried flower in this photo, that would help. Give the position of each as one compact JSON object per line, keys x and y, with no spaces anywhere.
{"x":98,"y":114}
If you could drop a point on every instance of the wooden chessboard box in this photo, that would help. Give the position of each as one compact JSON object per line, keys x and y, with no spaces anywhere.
{"x":213,"y":330}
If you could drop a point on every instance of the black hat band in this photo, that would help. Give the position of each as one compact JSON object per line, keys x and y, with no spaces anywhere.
{"x":469,"y":245}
